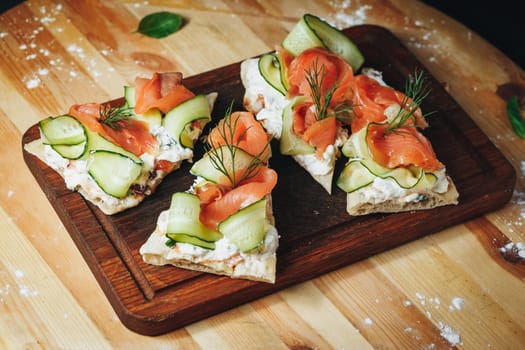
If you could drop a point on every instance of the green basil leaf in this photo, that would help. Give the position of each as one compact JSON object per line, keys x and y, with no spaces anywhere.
{"x":515,"y":118}
{"x":160,"y":24}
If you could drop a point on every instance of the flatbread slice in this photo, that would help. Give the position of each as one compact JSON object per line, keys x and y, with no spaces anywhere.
{"x":257,"y":266}
{"x":359,"y":203}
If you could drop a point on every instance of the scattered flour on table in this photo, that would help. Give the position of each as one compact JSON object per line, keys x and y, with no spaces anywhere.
{"x":32,"y":81}
{"x":4,"y":292}
{"x":346,"y":17}
{"x":429,"y":303}
{"x":452,"y":336}
{"x":139,"y":4}
{"x":457,"y":304}
{"x":45,"y":16}
{"x":368,"y":321}
{"x":515,"y":249}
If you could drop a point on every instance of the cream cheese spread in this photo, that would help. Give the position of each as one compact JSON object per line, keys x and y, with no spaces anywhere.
{"x":254,"y":263}
{"x":266,"y":102}
{"x":387,"y":189}
{"x":325,"y":164}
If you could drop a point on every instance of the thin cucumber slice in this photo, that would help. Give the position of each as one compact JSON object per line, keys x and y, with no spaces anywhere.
{"x":97,"y":142}
{"x":290,"y":143}
{"x":129,"y":96}
{"x":359,"y":173}
{"x":63,"y":130}
{"x":247,"y":227}
{"x":184,"y":224}
{"x":177,"y":121}
{"x":362,"y":169}
{"x":113,"y":172}
{"x":231,"y":158}
{"x":152,"y":117}
{"x":311,"y":31}
{"x":193,"y":240}
{"x":354,"y":177}
{"x":71,"y":151}
{"x":273,"y":72}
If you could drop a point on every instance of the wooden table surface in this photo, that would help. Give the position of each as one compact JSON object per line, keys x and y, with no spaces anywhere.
{"x":454,"y":289}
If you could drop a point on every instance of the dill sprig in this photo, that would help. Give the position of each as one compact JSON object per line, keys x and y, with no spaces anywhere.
{"x":416,"y":90}
{"x":223,"y":156}
{"x":115,"y":117}
{"x":315,"y":76}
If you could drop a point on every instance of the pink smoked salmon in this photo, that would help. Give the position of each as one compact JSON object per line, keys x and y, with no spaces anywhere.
{"x":371,"y":99}
{"x":230,"y":202}
{"x":318,"y":133}
{"x":330,"y":68}
{"x":401,"y":148}
{"x":220,"y":200}
{"x":163,"y":91}
{"x":133,"y":135}
{"x":244,"y":132}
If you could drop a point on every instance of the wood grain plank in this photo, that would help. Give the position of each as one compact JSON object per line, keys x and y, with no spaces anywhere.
{"x":383,"y":314}
{"x":240,"y":328}
{"x":482,"y":318}
{"x":311,"y":304}
{"x":28,"y":276}
{"x":295,"y":331}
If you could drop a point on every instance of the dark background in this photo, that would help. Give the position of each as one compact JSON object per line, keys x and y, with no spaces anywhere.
{"x":500,"y":21}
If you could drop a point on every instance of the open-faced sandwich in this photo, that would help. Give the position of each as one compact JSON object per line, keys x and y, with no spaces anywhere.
{"x":392,"y":166}
{"x":116,"y":155}
{"x":301,"y":94}
{"x":307,"y":93}
{"x":224,"y":223}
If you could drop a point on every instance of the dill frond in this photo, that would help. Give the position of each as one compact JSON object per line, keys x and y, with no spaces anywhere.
{"x":416,"y":90}
{"x":115,"y":117}
{"x":223,"y":154}
{"x":315,"y":76}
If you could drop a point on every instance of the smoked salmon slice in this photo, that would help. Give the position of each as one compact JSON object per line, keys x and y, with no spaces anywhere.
{"x":322,"y":134}
{"x":134,"y":135}
{"x":244,"y":132}
{"x":330,"y":69}
{"x":402,"y":147}
{"x":228,"y":203}
{"x":221,"y":200}
{"x":371,"y":99}
{"x":163,"y":91}
{"x":318,"y":133}
{"x":319,"y":68}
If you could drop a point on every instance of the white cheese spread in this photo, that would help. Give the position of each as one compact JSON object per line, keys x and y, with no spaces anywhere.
{"x":325,"y":164}
{"x":387,"y":189}
{"x":261,"y":98}
{"x":225,"y":251}
{"x":170,"y":149}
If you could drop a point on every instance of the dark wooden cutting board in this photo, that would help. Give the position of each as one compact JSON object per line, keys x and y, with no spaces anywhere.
{"x":317,"y":235}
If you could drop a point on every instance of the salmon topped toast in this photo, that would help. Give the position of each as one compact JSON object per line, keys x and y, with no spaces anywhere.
{"x":392,"y":166}
{"x":115,"y":156}
{"x":301,"y":93}
{"x":312,"y":94}
{"x":224,"y":223}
